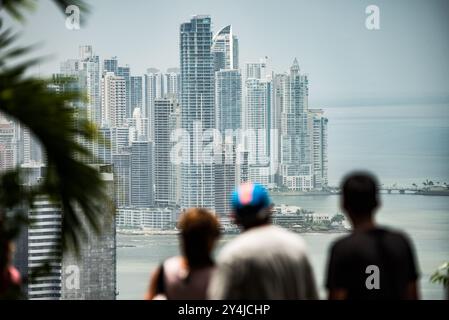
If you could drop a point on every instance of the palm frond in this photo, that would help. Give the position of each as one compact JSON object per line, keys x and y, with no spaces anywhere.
{"x":51,"y":118}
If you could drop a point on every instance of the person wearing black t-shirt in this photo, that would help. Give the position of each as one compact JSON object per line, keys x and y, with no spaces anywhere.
{"x":373,"y":262}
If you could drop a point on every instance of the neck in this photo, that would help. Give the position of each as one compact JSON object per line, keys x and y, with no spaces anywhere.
{"x":364,"y":225}
{"x":259,"y":224}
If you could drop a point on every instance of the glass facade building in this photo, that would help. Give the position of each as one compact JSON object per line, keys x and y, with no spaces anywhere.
{"x":197,"y":111}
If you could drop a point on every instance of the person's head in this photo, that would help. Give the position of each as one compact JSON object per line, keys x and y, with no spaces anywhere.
{"x":199,"y":231}
{"x":360,"y":196}
{"x":251,"y":205}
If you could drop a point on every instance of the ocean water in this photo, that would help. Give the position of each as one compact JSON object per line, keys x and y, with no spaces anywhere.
{"x":400,"y":144}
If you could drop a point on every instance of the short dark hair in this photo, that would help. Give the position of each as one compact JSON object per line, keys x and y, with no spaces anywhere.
{"x":360,"y":192}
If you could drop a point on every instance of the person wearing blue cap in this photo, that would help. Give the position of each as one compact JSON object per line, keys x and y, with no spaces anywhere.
{"x":265,"y":261}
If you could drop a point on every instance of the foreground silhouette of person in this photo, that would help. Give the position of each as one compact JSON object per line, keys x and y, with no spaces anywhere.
{"x":187,"y":277}
{"x":265,"y":261}
{"x":373,"y":262}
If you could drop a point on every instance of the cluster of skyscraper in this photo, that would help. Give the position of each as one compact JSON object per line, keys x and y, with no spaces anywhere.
{"x":262,"y":127}
{"x":242,"y":124}
{"x":266,"y":131}
{"x":135,"y":116}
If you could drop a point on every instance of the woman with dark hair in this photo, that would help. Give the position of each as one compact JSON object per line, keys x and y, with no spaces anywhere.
{"x":187,"y":276}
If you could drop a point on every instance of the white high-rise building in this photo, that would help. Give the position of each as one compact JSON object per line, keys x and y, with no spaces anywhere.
{"x":160,"y":85}
{"x":257,"y":139}
{"x":172,"y":83}
{"x":296,"y":168}
{"x":257,"y":70}
{"x":154,"y":89}
{"x":122,"y":178}
{"x":197,"y":111}
{"x":318,"y":131}
{"x":70,"y":67}
{"x":146,"y":218}
{"x":228,"y":112}
{"x":91,"y":275}
{"x":142,"y":191}
{"x":225,"y":49}
{"x":114,"y":100}
{"x":166,"y":171}
{"x":112,"y":140}
{"x":89,"y":77}
{"x":228,"y":97}
{"x":125,"y":73}
{"x":110,"y":65}
{"x":40,"y":245}
{"x":139,"y":127}
{"x":8,"y":149}
{"x":136,"y":92}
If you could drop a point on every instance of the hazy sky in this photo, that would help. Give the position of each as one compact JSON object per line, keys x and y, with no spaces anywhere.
{"x":406,"y":60}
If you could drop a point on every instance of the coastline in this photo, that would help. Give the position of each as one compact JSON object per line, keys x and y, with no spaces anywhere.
{"x":176,"y":232}
{"x":302,"y":193}
{"x":439,"y":193}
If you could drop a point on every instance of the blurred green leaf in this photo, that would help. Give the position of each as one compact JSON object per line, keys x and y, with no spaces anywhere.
{"x":52,"y":118}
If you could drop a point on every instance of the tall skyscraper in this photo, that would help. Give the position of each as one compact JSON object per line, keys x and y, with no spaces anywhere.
{"x":70,"y":67}
{"x":110,"y":65}
{"x":159,"y":85}
{"x":296,"y":163}
{"x":228,"y":97}
{"x":166,"y":179}
{"x":114,"y":100}
{"x":30,"y":149}
{"x":39,"y":246}
{"x":197,"y":110}
{"x":136,"y":93}
{"x":225,"y":49}
{"x":228,"y":111}
{"x":92,"y":274}
{"x":256,"y":70}
{"x":81,"y":112}
{"x":139,"y":127}
{"x":257,"y":124}
{"x":122,"y":178}
{"x":319,"y":147}
{"x":154,"y":89}
{"x":172,"y":83}
{"x":89,"y":77}
{"x":226,"y":174}
{"x":8,"y":149}
{"x":258,"y":104}
{"x":142,"y":192}
{"x":125,"y":73}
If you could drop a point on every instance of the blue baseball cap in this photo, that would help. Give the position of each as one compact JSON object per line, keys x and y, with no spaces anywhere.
{"x":250,"y":199}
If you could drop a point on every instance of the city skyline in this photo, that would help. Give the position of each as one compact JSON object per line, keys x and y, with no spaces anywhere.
{"x":371,"y":66}
{"x":258,"y":119}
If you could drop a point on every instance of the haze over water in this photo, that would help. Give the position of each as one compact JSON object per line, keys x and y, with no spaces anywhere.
{"x":402,"y":144}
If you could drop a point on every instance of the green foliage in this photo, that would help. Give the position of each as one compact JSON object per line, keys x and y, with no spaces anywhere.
{"x":51,"y":117}
{"x":338,"y":218}
{"x":441,"y":276}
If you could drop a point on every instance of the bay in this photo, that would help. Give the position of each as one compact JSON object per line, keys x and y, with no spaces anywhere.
{"x":401,"y":144}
